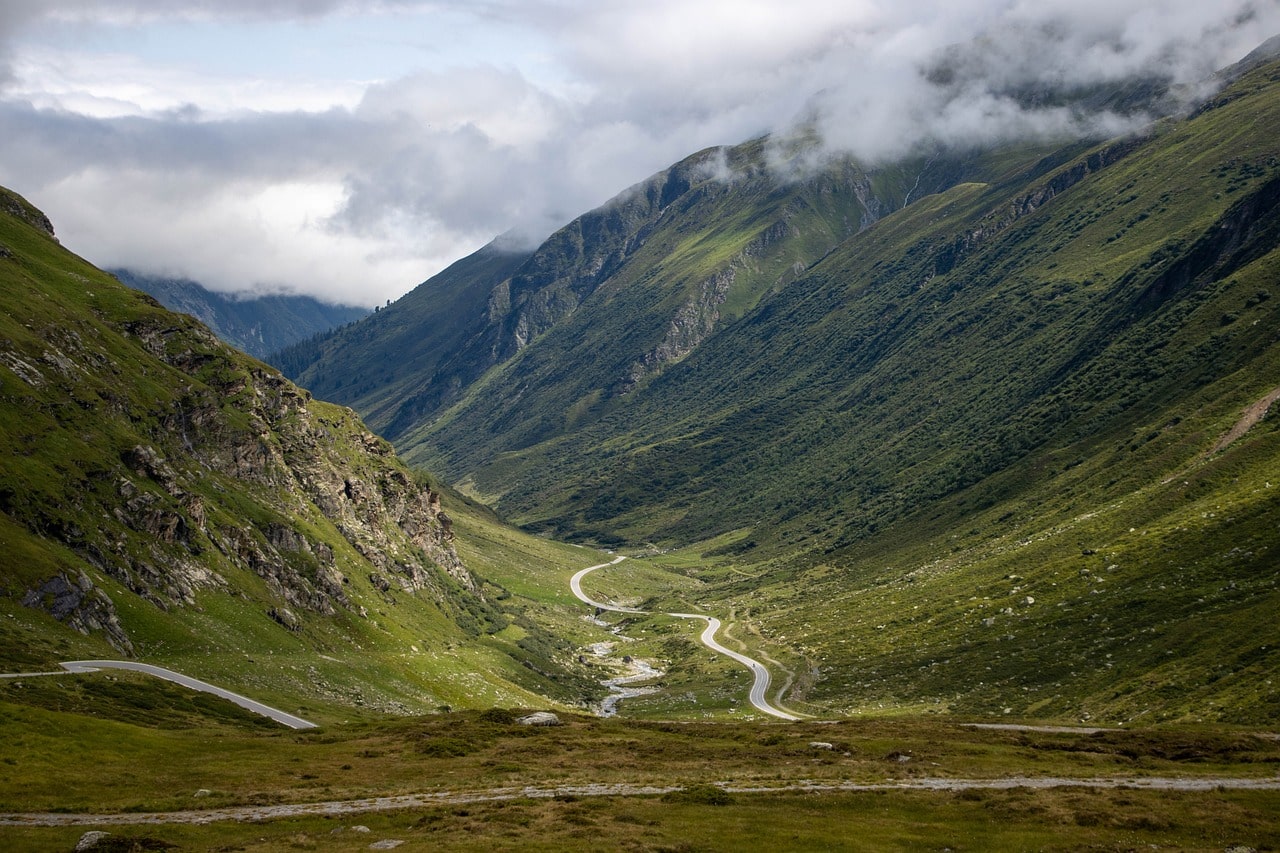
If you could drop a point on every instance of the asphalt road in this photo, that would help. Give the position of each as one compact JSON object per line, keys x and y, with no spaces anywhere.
{"x":193,"y":683}
{"x":760,"y":674}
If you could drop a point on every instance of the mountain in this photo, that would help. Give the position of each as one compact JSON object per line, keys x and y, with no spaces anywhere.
{"x":258,"y":325}
{"x":978,"y":430}
{"x":166,"y":497}
{"x":622,"y":292}
{"x":680,"y":347}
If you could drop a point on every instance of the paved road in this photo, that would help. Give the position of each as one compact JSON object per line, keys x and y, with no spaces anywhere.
{"x":195,"y":684}
{"x":760,"y":674}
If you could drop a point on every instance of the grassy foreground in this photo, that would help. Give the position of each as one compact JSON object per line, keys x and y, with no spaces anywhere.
{"x":115,"y":747}
{"x":995,"y":820}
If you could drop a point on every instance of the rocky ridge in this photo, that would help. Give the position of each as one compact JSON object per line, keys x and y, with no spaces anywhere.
{"x":191,"y":464}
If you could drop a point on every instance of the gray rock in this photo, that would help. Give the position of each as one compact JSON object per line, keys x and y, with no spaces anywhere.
{"x":286,"y":618}
{"x":539,"y":718}
{"x":386,"y":844}
{"x":820,"y":744}
{"x":90,"y":840}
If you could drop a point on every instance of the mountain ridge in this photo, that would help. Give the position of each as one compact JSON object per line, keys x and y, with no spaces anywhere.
{"x":976,"y":406}
{"x":258,"y":325}
{"x":165,"y":496}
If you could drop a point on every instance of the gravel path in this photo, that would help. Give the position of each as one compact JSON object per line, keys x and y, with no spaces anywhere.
{"x":426,"y":800}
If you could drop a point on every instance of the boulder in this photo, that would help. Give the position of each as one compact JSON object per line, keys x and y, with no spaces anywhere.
{"x":539,"y":718}
{"x":90,"y":840}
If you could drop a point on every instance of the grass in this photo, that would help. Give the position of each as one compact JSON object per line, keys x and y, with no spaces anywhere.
{"x":248,"y":498}
{"x":143,"y":739}
{"x":160,"y":764}
{"x":997,"y":821}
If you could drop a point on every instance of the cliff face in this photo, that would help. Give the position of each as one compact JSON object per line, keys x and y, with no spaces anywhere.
{"x":140,"y":448}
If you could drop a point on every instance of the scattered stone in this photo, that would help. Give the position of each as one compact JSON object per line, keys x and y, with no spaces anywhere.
{"x":1028,"y":601}
{"x":360,"y":828}
{"x":820,"y":744}
{"x":539,"y":718}
{"x":386,"y":844}
{"x":900,"y":757}
{"x":203,"y":792}
{"x":90,"y":840}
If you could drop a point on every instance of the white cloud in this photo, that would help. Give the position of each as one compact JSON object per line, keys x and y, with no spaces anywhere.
{"x":359,"y":185}
{"x":111,"y":85}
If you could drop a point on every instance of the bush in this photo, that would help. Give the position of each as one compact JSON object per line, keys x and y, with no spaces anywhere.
{"x":701,"y":795}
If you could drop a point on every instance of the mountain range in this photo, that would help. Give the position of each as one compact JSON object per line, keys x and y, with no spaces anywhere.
{"x":976,"y":431}
{"x":1018,"y":387}
{"x":258,"y":325}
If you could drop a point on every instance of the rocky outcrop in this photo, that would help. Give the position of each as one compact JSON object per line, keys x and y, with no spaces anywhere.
{"x":695,"y":320}
{"x":231,"y":467}
{"x":19,"y":207}
{"x":78,"y":603}
{"x":1000,"y":220}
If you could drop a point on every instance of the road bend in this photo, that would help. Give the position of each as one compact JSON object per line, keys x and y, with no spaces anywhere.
{"x":245,"y":702}
{"x":759,"y":673}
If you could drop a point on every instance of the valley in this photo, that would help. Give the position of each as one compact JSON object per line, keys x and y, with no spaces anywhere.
{"x":937,"y":496}
{"x":760,"y":677}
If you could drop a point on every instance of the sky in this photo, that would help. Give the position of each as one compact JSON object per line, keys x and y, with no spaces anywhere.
{"x":350,"y":149}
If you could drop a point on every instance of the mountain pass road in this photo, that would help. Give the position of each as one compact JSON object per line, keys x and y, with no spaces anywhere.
{"x":193,"y":683}
{"x":760,"y":674}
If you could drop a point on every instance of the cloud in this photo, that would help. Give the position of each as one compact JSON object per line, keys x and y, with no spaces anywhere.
{"x":357,"y":190}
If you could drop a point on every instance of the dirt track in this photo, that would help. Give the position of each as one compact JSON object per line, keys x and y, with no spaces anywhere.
{"x":416,"y":801}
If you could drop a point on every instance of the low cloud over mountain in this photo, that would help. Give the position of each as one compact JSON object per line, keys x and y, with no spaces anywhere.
{"x":350,"y":150}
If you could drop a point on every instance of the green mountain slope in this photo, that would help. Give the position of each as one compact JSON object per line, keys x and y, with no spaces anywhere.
{"x":1005,"y":450}
{"x":620,"y":293}
{"x":165,"y":497}
{"x":924,"y":354}
{"x":258,"y":325}
{"x":409,"y":351}
{"x":960,"y":457}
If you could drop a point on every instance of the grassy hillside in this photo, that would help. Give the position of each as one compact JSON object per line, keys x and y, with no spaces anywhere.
{"x":167,"y":498}
{"x":621,"y":292}
{"x":1020,"y":387}
{"x":926,"y":353}
{"x":401,"y":351}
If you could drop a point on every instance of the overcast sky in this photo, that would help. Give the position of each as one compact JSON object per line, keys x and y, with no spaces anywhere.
{"x":349,"y":149}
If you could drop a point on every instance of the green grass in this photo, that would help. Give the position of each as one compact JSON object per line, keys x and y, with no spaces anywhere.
{"x":997,"y":821}
{"x":193,"y":542}
{"x":161,"y":764}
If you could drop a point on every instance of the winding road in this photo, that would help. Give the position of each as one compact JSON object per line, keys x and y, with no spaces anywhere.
{"x":276,"y":714}
{"x":760,"y":674}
